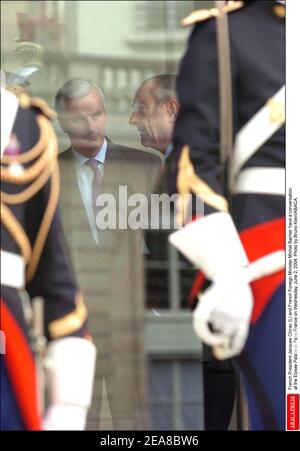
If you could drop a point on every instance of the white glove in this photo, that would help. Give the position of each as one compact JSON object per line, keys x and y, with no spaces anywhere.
{"x":70,"y":365}
{"x":226,"y":307}
{"x":213,"y":244}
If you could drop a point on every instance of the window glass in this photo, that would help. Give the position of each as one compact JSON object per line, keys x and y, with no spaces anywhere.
{"x":89,"y":60}
{"x":176,"y":394}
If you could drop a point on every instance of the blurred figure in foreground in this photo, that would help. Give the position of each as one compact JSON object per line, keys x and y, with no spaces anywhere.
{"x":239,"y":243}
{"x":35,"y":265}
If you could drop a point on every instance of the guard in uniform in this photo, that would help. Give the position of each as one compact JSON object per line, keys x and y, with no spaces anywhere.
{"x":239,"y":243}
{"x":35,"y":265}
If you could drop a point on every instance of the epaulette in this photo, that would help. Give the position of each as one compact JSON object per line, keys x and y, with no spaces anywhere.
{"x":203,"y":14}
{"x":27,"y":101}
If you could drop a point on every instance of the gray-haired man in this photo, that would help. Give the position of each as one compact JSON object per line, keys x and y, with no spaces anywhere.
{"x":80,"y":105}
{"x":155,"y":107}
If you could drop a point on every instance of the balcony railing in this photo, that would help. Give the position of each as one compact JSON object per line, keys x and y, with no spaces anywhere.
{"x":118,"y":77}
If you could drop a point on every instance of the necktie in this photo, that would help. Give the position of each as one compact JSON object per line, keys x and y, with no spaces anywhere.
{"x":96,"y":182}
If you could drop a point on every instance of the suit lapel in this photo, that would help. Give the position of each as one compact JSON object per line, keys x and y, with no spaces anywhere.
{"x":114,"y":160}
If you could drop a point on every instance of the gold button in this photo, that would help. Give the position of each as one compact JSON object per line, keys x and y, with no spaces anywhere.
{"x":279,"y":11}
{"x":277,"y":111}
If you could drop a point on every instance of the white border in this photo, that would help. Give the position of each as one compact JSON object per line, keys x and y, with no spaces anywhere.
{"x":293,"y":127}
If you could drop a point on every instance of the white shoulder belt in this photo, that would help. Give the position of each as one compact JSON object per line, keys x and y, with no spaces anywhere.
{"x":249,"y":139}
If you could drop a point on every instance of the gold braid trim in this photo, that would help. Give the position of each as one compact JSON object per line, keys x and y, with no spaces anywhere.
{"x":42,"y":105}
{"x":71,"y":322}
{"x":188,"y":182}
{"x":203,"y":14}
{"x":36,"y":150}
{"x":35,"y":169}
{"x":29,"y":192}
{"x":40,"y":172}
{"x":28,"y":174}
{"x":45,"y":225}
{"x":16,"y":231}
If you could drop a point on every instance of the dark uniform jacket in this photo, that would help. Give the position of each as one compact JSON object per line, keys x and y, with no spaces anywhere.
{"x":257,"y":45}
{"x":53,"y":278}
{"x":31,"y":227}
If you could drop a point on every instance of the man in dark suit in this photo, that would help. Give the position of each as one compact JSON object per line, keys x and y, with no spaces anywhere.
{"x":108,"y":262}
{"x":155,"y":108}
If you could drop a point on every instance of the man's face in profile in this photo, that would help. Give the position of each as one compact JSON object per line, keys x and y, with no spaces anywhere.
{"x":152,"y":119}
{"x":84,"y":120}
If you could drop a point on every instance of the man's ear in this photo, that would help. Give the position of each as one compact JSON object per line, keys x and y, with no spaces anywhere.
{"x":172,"y":108}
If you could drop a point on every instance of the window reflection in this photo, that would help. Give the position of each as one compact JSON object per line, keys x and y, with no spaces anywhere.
{"x":130,"y":279}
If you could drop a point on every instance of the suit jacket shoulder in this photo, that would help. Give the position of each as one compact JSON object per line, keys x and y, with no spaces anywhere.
{"x":135,"y":165}
{"x":132,"y":154}
{"x":65,"y":154}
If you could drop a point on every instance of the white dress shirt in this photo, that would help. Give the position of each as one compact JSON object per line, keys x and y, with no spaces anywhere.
{"x":85,"y":178}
